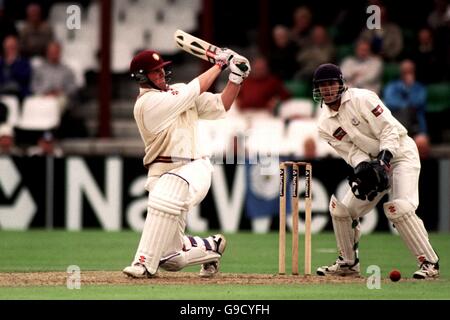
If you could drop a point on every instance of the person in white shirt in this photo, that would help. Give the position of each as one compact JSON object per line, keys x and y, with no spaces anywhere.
{"x":364,"y":69}
{"x":179,"y":174}
{"x":362,"y":130}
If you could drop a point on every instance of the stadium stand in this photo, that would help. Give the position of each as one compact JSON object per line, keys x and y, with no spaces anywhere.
{"x":139,"y":24}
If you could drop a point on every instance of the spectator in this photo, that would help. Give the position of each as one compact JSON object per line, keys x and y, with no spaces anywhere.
{"x":302,"y":25}
{"x":15,"y":71}
{"x":438,"y":17}
{"x":406,"y":98}
{"x":262,"y":90}
{"x":364,"y":70}
{"x":6,"y":140}
{"x":320,"y":50}
{"x":36,"y":33}
{"x":54,"y":78}
{"x":7,"y":26}
{"x":282,"y":56}
{"x":386,"y":41}
{"x":428,"y":67}
{"x":423,"y":145}
{"x":310,"y":149}
{"x":7,"y":146}
{"x":46,"y":146}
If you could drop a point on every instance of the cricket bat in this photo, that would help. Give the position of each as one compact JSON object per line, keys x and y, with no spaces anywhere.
{"x":196,"y":46}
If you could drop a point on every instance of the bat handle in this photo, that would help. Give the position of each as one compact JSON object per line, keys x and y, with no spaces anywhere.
{"x":242,"y":66}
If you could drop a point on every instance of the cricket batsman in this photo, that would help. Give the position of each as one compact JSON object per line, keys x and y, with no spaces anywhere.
{"x":179,"y":174}
{"x":357,"y":124}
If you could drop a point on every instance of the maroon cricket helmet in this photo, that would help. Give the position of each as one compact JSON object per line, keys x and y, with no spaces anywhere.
{"x":147,"y":61}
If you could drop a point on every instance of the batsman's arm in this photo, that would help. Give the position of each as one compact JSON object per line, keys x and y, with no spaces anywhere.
{"x":239,"y":71}
{"x":207,"y":78}
{"x":229,"y":94}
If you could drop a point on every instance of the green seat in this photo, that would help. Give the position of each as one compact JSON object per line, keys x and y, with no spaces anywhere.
{"x":299,"y":89}
{"x":391,"y":71}
{"x":344,"y":51}
{"x":333,"y":32}
{"x":409,"y":39}
{"x":438,"y":97}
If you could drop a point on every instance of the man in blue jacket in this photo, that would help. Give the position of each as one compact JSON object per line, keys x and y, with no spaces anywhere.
{"x":406,"y":98}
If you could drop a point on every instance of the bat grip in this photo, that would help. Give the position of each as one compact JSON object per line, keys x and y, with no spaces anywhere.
{"x":242,"y":66}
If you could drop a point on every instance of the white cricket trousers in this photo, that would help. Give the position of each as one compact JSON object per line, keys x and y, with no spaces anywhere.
{"x":198,"y":174}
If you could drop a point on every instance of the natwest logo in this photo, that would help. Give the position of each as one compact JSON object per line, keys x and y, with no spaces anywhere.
{"x":19,"y":208}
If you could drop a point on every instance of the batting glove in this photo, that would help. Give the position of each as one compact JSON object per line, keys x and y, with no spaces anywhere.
{"x":224,"y":57}
{"x":240,"y":69}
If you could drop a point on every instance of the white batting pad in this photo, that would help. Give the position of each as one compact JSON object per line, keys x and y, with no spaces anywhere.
{"x":195,"y":252}
{"x":166,"y":202}
{"x":346,"y":231}
{"x":411,"y":229}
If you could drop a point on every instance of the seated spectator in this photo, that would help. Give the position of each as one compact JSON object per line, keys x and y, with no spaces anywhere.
{"x":302,"y":25}
{"x":310,"y":149}
{"x":15,"y":71}
{"x":46,"y":146}
{"x":428,"y":67}
{"x":54,"y":78}
{"x":438,"y":17}
{"x":262,"y":91}
{"x":386,"y":41}
{"x":406,"y":98}
{"x":36,"y":33}
{"x":320,"y":50}
{"x":7,"y":146}
{"x":6,"y":140}
{"x":423,"y":145}
{"x":282,"y":55}
{"x":364,"y":70}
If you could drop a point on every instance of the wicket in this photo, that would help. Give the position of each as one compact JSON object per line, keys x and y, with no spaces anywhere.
{"x":282,"y":233}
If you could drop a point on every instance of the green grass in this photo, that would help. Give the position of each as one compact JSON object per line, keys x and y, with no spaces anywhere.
{"x":435,"y":290}
{"x":246,"y":253}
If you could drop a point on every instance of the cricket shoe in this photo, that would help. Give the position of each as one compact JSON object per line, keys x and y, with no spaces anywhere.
{"x":209,"y":269}
{"x":340,"y":268}
{"x":427,"y":270}
{"x":137,"y":270}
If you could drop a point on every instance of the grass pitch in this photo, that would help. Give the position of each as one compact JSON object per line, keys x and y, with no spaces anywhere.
{"x":249,"y":268}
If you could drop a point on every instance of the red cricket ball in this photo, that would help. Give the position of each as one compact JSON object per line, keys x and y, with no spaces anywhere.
{"x":395,"y":275}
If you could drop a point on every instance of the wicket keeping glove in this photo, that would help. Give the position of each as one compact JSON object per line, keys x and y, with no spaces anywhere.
{"x":364,"y":181}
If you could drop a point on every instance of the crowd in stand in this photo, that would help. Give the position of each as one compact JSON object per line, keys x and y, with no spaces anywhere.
{"x":31,"y":76}
{"x":299,"y":48}
{"x":31,"y":71}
